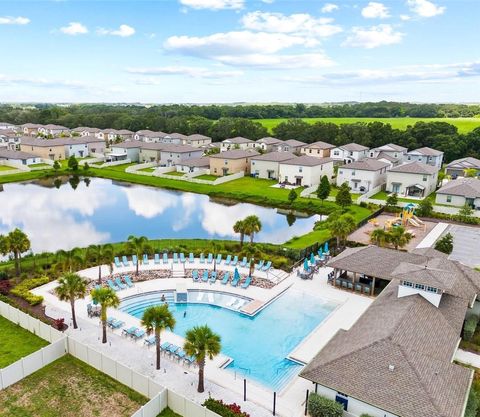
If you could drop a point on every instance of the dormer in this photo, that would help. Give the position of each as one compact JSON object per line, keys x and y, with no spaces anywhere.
{"x":431,"y":294}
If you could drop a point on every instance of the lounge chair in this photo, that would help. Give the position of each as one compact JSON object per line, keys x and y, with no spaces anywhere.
{"x":267,"y":266}
{"x":202,"y":258}
{"x":145,"y":260}
{"x":210,"y":258}
{"x":128,"y":281}
{"x":366,"y":290}
{"x":110,"y":320}
{"x":228,"y":260}
{"x":195,"y":275}
{"x":259,"y":265}
{"x":156,"y":259}
{"x":191,"y":258}
{"x":213,"y":277}
{"x":129,"y":331}
{"x":205,"y":276}
{"x":190,"y":360}
{"x":117,"y":262}
{"x":247,"y":282}
{"x":226,"y":277}
{"x":134,"y":260}
{"x":112,"y":285}
{"x":175,"y":258}
{"x":173,"y":348}
{"x":182,"y":258}
{"x":164,"y":346}
{"x":235,"y":261}
{"x":120,"y":283}
{"x":116,"y":324}
{"x":180,"y":354}
{"x":149,"y":341}
{"x":125,"y":261}
{"x":219,"y":259}
{"x":235,"y":281}
{"x":138,"y":334}
{"x":165,"y":258}
{"x":244,"y":262}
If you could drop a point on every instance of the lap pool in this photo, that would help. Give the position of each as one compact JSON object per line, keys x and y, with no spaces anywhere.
{"x":258,"y":345}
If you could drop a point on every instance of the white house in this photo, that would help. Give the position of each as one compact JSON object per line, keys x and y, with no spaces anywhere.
{"x":391,"y":149}
{"x":317,"y":149}
{"x":148,"y":135}
{"x":267,"y":144}
{"x":31,"y":128}
{"x":167,"y":154}
{"x":305,"y":170}
{"x":18,"y":157}
{"x":457,"y":168}
{"x":174,"y":138}
{"x":53,"y":130}
{"x":237,"y":142}
{"x":363,"y":175}
{"x":86,"y":131}
{"x":7,"y":126}
{"x":125,"y":150}
{"x":290,"y":145}
{"x":426,"y":155}
{"x":197,"y":140}
{"x":193,"y":165}
{"x":414,"y":179}
{"x":460,"y":192}
{"x":349,"y":152}
{"x":267,"y":166}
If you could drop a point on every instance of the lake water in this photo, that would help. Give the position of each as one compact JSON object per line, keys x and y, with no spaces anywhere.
{"x":103,"y":211}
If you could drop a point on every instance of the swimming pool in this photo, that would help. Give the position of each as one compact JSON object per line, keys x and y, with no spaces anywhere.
{"x":258,"y":345}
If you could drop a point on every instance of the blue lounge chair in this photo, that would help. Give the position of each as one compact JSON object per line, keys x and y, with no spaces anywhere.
{"x":228,"y":260}
{"x":202,"y":258}
{"x":213,"y":277}
{"x":190,"y":360}
{"x":235,"y":261}
{"x":112,"y":285}
{"x":125,"y":260}
{"x":191,"y":259}
{"x":175,"y":258}
{"x":134,"y":260}
{"x":226,"y":277}
{"x":129,"y":331}
{"x":235,"y":281}
{"x":180,"y":354}
{"x":259,"y":265}
{"x":172,"y":349}
{"x":247,"y":282}
{"x":117,"y":324}
{"x":145,"y":259}
{"x":149,"y":341}
{"x":182,"y":258}
{"x":165,"y":258}
{"x":164,"y":346}
{"x":267,"y":266}
{"x":138,"y":334}
{"x":219,"y":259}
{"x":117,"y":262}
{"x":120,"y":284}
{"x":210,"y":258}
{"x":195,"y":275}
{"x":205,"y":276}
{"x":156,"y":259}
{"x":110,"y":320}
{"x":244,"y":262}
{"x":128,"y":281}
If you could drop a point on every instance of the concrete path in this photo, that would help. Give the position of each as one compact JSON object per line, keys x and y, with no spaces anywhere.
{"x":429,"y":240}
{"x":468,"y":358}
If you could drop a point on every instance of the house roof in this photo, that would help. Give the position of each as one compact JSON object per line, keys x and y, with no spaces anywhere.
{"x":367,"y":164}
{"x":426,"y":151}
{"x":8,"y":154}
{"x":465,"y":187}
{"x":31,"y":125}
{"x":235,"y":154}
{"x":27,"y":140}
{"x":196,"y":162}
{"x":307,"y":161}
{"x":128,"y":145}
{"x":169,"y":147}
{"x":389,"y":147}
{"x":293,"y":143}
{"x":269,"y":140}
{"x":275,"y":156}
{"x":465,"y":163}
{"x":55,"y":127}
{"x":198,"y":136}
{"x":124,"y":132}
{"x":86,"y":129}
{"x":415,"y":168}
{"x":319,"y":145}
{"x":237,"y":140}
{"x":176,"y":135}
{"x":354,"y":147}
{"x":386,"y":156}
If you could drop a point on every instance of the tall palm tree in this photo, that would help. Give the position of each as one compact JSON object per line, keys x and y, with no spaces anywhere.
{"x":341,"y":227}
{"x":138,"y":246}
{"x":155,"y":319}
{"x":250,"y":251}
{"x":101,"y":254}
{"x":15,"y":242}
{"x":252,"y":225}
{"x":201,"y":342}
{"x":239,"y":227}
{"x":68,"y":259}
{"x":379,"y":237}
{"x":106,"y":297}
{"x":398,"y":237}
{"x":70,"y":288}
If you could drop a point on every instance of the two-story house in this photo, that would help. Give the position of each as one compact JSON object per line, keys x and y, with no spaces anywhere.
{"x":305,"y":170}
{"x":426,"y":155}
{"x":317,"y":149}
{"x":231,"y":162}
{"x":363,"y":175}
{"x":349,"y":152}
{"x":414,"y":179}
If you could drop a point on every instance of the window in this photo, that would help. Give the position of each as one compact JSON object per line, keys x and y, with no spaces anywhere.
{"x":225,"y":162}
{"x":419,"y":286}
{"x":300,"y":169}
{"x":340,"y":172}
{"x":432,"y":289}
{"x":353,"y":173}
{"x":309,"y":151}
{"x":407,"y":284}
{"x":409,"y":157}
{"x":336,"y":153}
{"x":253,"y":162}
{"x":424,"y":178}
{"x":449,"y":198}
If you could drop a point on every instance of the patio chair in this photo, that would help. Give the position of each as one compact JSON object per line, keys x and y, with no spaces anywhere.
{"x":117,"y":324}
{"x":175,"y":258}
{"x":134,"y":260}
{"x":112,"y":285}
{"x":128,"y":281}
{"x":191,"y":258}
{"x":138,"y":334}
{"x":125,"y":261}
{"x":228,"y":260}
{"x":358,"y":287}
{"x":164,"y":346}
{"x":195,"y":277}
{"x":190,"y":360}
{"x":210,"y":258}
{"x":247,"y":282}
{"x":205,"y":276}
{"x":259,"y":265}
{"x":235,"y":261}
{"x":338,"y":282}
{"x":235,"y":281}
{"x":117,"y":262}
{"x":366,"y":290}
{"x":110,"y":320}
{"x":145,"y":260}
{"x":243,"y":264}
{"x":202,"y":258}
{"x":344,"y":284}
{"x":156,"y":259}
{"x":226,"y":277}
{"x":350,"y":285}
{"x":180,"y":354}
{"x":172,"y":349}
{"x":182,"y":258}
{"x":267,"y":266}
{"x":121,"y":285}
{"x":213,"y":277}
{"x":129,"y":331}
{"x":165,"y":258}
{"x":219,"y":259}
{"x":149,"y":341}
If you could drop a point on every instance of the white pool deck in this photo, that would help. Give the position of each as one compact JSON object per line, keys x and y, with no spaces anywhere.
{"x":220,"y":383}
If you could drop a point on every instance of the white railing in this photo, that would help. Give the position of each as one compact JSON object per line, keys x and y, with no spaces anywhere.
{"x":113,"y":163}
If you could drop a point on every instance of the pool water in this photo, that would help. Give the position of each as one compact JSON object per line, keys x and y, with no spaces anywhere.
{"x":258,"y":345}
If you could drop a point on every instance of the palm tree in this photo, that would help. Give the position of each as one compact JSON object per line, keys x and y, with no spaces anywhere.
{"x":250,"y":251}
{"x":15,"y":242}
{"x":106,"y":297}
{"x":156,"y":319}
{"x":252,"y":225}
{"x":398,"y":237}
{"x":68,"y":259}
{"x":101,"y":254}
{"x":341,"y":227}
{"x":201,"y":342}
{"x":71,"y":287}
{"x":138,"y":246}
{"x":239,"y":227}
{"x":379,"y":237}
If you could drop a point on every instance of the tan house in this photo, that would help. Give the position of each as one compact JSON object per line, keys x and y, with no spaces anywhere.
{"x":31,"y":128}
{"x":53,"y":149}
{"x":318,"y":149}
{"x":198,"y":140}
{"x":231,"y":162}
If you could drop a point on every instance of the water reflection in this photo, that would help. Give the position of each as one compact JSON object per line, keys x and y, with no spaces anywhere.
{"x":68,"y":212}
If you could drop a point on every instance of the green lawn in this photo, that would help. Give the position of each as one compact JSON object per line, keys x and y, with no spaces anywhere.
{"x":40,"y":165}
{"x":300,"y":242}
{"x":207,"y":177}
{"x":6,"y":168}
{"x":168,"y":413}
{"x":175,"y":173}
{"x":464,"y":125}
{"x":121,"y":167}
{"x":16,"y":342}
{"x":147,"y":169}
{"x":69,"y":388}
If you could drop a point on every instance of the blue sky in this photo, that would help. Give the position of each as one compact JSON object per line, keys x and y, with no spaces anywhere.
{"x":201,"y":51}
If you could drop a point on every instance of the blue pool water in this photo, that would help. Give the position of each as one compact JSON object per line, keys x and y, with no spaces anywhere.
{"x":258,"y":345}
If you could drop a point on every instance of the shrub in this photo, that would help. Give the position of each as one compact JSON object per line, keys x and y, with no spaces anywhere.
{"x":473,"y":402}
{"x":22,"y":290}
{"x":223,"y":409}
{"x":363,"y":204}
{"x":470,"y":327}
{"x":59,"y":323}
{"x":365,"y":415}
{"x":3,"y":275}
{"x":5,"y":287}
{"x":445,"y":244}
{"x":319,"y":406}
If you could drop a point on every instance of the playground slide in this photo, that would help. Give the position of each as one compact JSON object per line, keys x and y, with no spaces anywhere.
{"x":414,"y":223}
{"x":418,"y":220}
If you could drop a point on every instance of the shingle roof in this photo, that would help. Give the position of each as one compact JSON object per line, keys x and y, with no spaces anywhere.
{"x":319,"y":145}
{"x":169,"y":147}
{"x":235,"y":154}
{"x":128,"y":144}
{"x":176,"y":135}
{"x":27,"y":140}
{"x":293,"y":143}
{"x":269,"y":140}
{"x":307,"y":161}
{"x":367,"y":164}
{"x":465,"y":187}
{"x":8,"y":154}
{"x":198,"y":136}
{"x":386,"y":156}
{"x":415,"y":168}
{"x":274,"y":156}
{"x":354,"y":147}
{"x":237,"y":140}
{"x":196,"y":162}
{"x":465,"y":163}
{"x":389,"y":147}
{"x":426,"y":151}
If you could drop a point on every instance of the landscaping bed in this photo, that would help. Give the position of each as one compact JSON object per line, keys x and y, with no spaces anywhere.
{"x":69,"y":388}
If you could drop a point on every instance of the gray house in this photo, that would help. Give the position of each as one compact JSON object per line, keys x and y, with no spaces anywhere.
{"x":460,"y":192}
{"x":266,"y":166}
{"x":426,"y":155}
{"x":457,"y":168}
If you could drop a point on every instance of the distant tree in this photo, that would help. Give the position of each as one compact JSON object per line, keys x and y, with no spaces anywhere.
{"x":70,"y":288}
{"x":16,"y":243}
{"x":72,"y":163}
{"x":74,"y":180}
{"x":465,"y":213}
{"x":323,"y":190}
{"x":425,"y":208}
{"x":291,"y":219}
{"x":445,"y":244}
{"x":107,"y":298}
{"x":392,"y":201}
{"x":344,"y":198}
{"x":69,"y":259}
{"x":252,"y":225}
{"x":292,"y":196}
{"x":138,"y":246}
{"x":56,"y":165}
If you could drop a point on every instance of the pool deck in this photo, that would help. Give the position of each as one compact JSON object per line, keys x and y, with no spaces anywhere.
{"x":220,"y":383}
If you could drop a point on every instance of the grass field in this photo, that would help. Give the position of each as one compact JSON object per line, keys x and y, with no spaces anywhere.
{"x":464,"y":125}
{"x":176,"y":173}
{"x":168,"y":413}
{"x":206,"y":177}
{"x":16,"y":342}
{"x":6,"y":168}
{"x":40,"y":165}
{"x":69,"y":388}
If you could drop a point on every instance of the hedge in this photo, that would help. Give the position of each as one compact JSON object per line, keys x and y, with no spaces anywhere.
{"x":470,"y":327}
{"x":223,"y":409}
{"x":319,"y":406}
{"x":22,"y":290}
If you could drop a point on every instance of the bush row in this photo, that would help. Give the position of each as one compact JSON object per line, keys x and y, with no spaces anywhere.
{"x":224,"y":409}
{"x":319,"y":406}
{"x":22,"y":290}
{"x":470,"y":327}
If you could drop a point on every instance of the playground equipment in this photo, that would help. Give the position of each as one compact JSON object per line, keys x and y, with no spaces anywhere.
{"x":408,"y":216}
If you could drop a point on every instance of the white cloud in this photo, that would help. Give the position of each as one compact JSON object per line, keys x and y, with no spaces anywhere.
{"x":214,"y":4}
{"x":10,"y":20}
{"x":405,"y":17}
{"x":299,"y":23}
{"x":375,"y":10}
{"x":194,"y":72}
{"x":373,"y":37}
{"x":329,"y":8}
{"x":280,"y":61}
{"x":149,"y":203}
{"x":268,"y":1}
{"x":425,"y":8}
{"x":124,"y":31}
{"x":74,"y":28}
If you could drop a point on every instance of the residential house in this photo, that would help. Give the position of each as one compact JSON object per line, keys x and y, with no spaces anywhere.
{"x":267,"y":166}
{"x":167,"y":154}
{"x":291,"y":145}
{"x":7,"y":126}
{"x":114,"y":135}
{"x":18,"y":157}
{"x":175,"y":138}
{"x":231,"y":162}
{"x":305,"y":170}
{"x":397,"y":359}
{"x":86,"y":131}
{"x":124,"y":134}
{"x":363,"y":175}
{"x":385,"y":157}
{"x":125,"y":150}
{"x":193,"y":165}
{"x":9,"y":139}
{"x":53,"y":130}
{"x":457,"y":168}
{"x":414,"y":179}
{"x":349,"y":153}
{"x":318,"y":149}
{"x":460,"y":192}
{"x":426,"y":155}
{"x":267,"y":144}
{"x":391,"y":149}
{"x":237,"y":143}
{"x":197,"y":140}
{"x":31,"y":129}
{"x":148,"y":136}
{"x":53,"y":149}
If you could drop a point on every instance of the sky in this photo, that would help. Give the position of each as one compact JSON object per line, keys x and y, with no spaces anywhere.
{"x":227,"y":51}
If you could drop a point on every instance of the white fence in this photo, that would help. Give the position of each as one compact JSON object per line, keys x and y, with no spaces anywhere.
{"x":366,"y":197}
{"x":113,"y":163}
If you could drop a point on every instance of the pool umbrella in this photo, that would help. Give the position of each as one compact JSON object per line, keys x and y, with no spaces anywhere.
{"x":236,"y":275}
{"x":305,"y":265}
{"x":312,"y":259}
{"x":326,"y":247}
{"x":320,"y":253}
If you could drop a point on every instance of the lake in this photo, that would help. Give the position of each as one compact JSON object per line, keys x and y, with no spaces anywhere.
{"x":103,"y":211}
